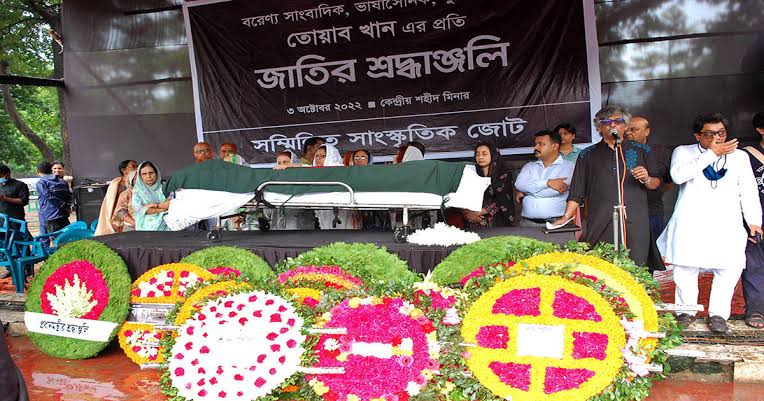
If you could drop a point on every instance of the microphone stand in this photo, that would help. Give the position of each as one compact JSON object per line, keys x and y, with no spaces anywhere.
{"x":619,"y":208}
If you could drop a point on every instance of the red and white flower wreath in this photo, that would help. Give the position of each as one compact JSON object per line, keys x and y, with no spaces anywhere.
{"x":238,"y":347}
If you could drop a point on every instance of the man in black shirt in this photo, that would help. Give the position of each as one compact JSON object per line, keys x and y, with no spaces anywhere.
{"x":594,"y":181}
{"x":639,"y":131}
{"x":14,"y":195}
{"x":753,"y":275}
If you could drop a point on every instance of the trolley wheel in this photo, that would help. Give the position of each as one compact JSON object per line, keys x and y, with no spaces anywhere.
{"x":214,"y":235}
{"x":401,"y":234}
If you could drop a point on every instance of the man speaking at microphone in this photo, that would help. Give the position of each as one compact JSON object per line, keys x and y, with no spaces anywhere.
{"x":594,"y":181}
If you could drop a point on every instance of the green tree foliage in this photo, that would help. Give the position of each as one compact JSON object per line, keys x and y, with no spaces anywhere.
{"x":26,"y":44}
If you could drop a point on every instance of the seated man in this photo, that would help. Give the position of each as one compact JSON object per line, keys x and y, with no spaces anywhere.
{"x":544,"y":181}
{"x":202,"y":152}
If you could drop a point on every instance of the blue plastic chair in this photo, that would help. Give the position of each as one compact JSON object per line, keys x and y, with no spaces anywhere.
{"x":22,"y":250}
{"x":7,"y":250}
{"x":72,"y":235}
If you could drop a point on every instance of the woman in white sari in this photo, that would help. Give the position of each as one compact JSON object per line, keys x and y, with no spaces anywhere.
{"x":329,"y":156}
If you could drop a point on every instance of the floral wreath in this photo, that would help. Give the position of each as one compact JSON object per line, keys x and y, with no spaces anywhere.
{"x":636,"y":376}
{"x":543,"y":337}
{"x":167,"y":284}
{"x":140,"y":342}
{"x":594,"y":268}
{"x":197,"y":299}
{"x":251,"y":266}
{"x":374,"y":264}
{"x":237,"y":346}
{"x":390,"y":351}
{"x":309,"y":283}
{"x":83,"y":279}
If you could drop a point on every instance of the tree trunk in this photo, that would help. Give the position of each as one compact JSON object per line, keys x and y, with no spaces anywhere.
{"x":10,"y":108}
{"x":58,"y":72}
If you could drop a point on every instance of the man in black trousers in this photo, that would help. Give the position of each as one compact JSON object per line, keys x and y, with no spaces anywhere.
{"x":753,"y":275}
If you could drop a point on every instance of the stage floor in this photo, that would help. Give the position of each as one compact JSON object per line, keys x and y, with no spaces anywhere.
{"x":147,"y":249}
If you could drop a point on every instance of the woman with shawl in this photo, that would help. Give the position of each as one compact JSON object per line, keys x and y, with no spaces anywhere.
{"x":116,"y":187}
{"x":149,"y":202}
{"x":123,"y":219}
{"x":329,"y":156}
{"x":498,"y":206}
{"x":412,"y":154}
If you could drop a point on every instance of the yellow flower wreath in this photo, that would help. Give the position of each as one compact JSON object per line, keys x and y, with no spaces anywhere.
{"x":479,"y":358}
{"x":640,"y":303}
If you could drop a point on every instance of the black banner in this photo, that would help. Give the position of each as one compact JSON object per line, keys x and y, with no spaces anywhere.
{"x":377,"y":74}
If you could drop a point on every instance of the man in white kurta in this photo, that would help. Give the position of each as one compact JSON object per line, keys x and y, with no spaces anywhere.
{"x":707,"y":230}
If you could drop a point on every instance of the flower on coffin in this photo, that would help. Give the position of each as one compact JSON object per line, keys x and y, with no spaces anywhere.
{"x":442,"y":235}
{"x":75,"y":290}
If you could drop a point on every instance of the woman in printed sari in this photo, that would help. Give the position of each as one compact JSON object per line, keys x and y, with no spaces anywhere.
{"x":116,"y":187}
{"x":123,"y":219}
{"x":149,"y":202}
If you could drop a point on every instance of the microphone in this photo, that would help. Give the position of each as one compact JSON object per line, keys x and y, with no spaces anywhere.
{"x":614,"y":133}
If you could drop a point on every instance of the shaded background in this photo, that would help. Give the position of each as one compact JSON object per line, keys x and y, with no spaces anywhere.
{"x":129,"y":94}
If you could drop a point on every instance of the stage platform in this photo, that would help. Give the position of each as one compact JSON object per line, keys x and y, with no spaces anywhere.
{"x":145,"y":250}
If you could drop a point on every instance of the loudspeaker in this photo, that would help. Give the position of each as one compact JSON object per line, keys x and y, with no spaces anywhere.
{"x":88,"y":199}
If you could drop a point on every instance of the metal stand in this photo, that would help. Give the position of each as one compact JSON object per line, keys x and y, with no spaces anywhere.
{"x":619,"y":208}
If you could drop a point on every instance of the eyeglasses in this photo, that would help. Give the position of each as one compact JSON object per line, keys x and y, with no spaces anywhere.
{"x":710,"y":134}
{"x":617,"y":121}
{"x":198,"y":152}
{"x":360,"y":158}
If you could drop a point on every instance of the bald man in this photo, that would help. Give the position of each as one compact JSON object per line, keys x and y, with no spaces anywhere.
{"x":202,"y":152}
{"x":639,"y":131}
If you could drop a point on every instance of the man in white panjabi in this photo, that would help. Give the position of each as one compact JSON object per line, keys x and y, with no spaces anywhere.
{"x":717,"y":190}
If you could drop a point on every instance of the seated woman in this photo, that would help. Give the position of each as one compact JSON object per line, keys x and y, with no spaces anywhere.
{"x":329,"y":156}
{"x":412,"y":153}
{"x":116,"y":187}
{"x":498,"y":206}
{"x":361,"y":157}
{"x":286,"y":159}
{"x":123,"y":219}
{"x":149,"y":202}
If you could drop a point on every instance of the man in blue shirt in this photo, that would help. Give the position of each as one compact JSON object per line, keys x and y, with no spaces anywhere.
{"x":53,"y":200}
{"x":544,"y":181}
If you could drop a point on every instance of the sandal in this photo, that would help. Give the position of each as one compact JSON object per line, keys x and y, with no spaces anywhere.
{"x":755,"y":320}
{"x":717,"y":324}
{"x":684,"y":319}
